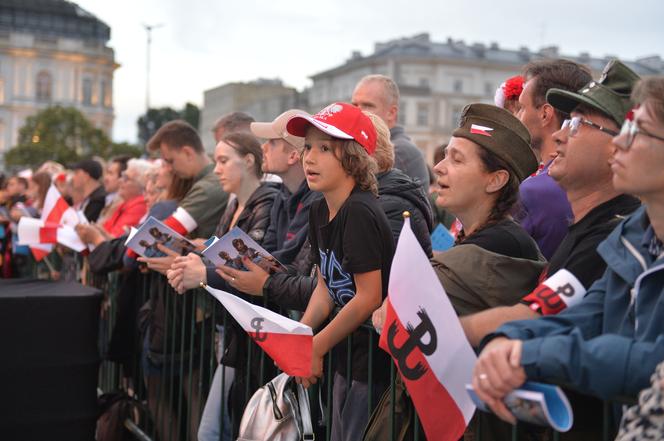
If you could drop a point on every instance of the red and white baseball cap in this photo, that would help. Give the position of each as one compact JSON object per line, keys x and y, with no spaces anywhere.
{"x":339,"y":120}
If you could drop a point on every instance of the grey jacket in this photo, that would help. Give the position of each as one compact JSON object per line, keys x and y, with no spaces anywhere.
{"x":408,"y":158}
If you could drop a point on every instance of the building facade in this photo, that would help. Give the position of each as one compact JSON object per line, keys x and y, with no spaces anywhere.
{"x":436,"y":80}
{"x":263,"y":99}
{"x":52,"y":52}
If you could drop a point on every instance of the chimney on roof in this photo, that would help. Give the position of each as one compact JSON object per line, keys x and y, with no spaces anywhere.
{"x":549,"y":52}
{"x":355,"y":55}
{"x":479,"y":49}
{"x":584,"y":57}
{"x":494,"y":46}
{"x":654,"y":62}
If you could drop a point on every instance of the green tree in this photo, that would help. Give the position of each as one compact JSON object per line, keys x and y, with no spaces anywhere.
{"x":153,"y":119}
{"x":61,"y":134}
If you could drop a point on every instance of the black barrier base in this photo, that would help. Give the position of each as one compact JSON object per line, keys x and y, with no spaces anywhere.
{"x":49,"y":360}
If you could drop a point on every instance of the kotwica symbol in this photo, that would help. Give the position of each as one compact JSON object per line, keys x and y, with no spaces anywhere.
{"x":256,"y":323}
{"x":414,"y":341}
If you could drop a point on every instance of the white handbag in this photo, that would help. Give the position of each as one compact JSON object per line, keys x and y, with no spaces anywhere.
{"x":278,"y":411}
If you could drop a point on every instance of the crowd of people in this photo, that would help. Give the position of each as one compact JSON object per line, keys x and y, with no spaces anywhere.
{"x":555,"y":194}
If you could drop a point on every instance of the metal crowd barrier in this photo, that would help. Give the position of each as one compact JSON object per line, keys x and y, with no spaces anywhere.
{"x":173,"y":400}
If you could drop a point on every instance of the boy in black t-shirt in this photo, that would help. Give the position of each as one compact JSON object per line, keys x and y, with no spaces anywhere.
{"x":352,"y":244}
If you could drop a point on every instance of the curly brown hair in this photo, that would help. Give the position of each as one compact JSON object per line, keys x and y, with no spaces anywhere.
{"x":357,"y":163}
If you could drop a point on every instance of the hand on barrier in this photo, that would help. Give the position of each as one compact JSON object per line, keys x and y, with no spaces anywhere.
{"x":186,"y":272}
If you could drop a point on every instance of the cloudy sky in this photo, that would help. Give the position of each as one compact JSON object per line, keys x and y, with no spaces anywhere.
{"x":206,"y":43}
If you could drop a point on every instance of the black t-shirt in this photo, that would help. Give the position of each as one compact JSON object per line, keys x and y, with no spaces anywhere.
{"x":357,"y":240}
{"x":577,"y":253}
{"x":507,"y":238}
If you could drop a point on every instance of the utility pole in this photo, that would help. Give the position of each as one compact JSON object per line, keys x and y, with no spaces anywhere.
{"x":148,"y":30}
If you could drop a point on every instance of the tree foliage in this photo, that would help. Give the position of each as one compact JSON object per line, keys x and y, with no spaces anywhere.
{"x":61,"y":134}
{"x":153,"y":119}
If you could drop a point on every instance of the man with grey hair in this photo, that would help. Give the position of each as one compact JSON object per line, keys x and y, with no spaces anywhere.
{"x":231,"y":122}
{"x":379,"y":94}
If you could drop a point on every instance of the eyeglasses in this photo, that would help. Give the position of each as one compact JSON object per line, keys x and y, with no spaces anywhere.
{"x":574,"y":124}
{"x":630,"y":129}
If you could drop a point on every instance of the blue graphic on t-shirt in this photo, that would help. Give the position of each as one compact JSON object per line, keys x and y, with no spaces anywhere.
{"x":339,"y":283}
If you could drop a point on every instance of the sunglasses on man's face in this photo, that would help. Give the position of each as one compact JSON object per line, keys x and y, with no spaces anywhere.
{"x":575,"y":123}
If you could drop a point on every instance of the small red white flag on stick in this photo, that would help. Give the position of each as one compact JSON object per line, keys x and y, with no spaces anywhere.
{"x":55,"y":211}
{"x":423,"y":335}
{"x":288,"y":342}
{"x":33,"y":231}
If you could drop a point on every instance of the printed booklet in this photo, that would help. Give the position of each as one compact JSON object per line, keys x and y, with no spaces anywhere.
{"x":232,"y":246}
{"x":535,"y":403}
{"x":145,"y":239}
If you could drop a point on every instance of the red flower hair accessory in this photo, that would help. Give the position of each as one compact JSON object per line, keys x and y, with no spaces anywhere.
{"x":513,"y":88}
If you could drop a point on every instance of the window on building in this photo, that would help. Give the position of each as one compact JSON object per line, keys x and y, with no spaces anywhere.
{"x":424,"y":82}
{"x":457,"y":86}
{"x":456,"y":116}
{"x":87,"y":91}
{"x":401,"y":117}
{"x":103,"y":94}
{"x":423,"y":114}
{"x":489,"y":90}
{"x":44,"y":86}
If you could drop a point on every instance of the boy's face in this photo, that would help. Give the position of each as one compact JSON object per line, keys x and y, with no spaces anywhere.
{"x":322,"y":168}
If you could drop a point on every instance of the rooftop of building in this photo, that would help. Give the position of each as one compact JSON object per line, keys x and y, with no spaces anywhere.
{"x":421,"y":46}
{"x":52,"y":19}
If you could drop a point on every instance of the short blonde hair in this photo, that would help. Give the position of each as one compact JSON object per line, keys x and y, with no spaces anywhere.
{"x":384,"y":153}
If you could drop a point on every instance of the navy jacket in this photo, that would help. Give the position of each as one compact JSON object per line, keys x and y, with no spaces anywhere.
{"x":609,"y":344}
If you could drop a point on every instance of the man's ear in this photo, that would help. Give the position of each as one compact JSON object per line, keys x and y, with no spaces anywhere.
{"x":294,"y":156}
{"x":547,"y":115}
{"x":497,"y":181}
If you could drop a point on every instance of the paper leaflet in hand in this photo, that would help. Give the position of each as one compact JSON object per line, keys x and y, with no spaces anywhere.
{"x":236,"y":244}
{"x":145,"y":240}
{"x":535,"y":403}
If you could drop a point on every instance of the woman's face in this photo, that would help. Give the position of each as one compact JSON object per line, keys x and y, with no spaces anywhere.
{"x":231,"y":168}
{"x":462,"y":177}
{"x":637,"y":169}
{"x":33,"y":190}
{"x":165,"y":175}
{"x":152,"y":192}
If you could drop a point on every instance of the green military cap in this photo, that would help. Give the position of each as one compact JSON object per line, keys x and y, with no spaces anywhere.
{"x":501,"y":133}
{"x":610,"y":94}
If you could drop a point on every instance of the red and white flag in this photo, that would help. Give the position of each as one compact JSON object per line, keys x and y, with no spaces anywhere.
{"x":33,"y":231}
{"x":288,"y":342}
{"x":423,"y":335}
{"x":55,"y":211}
{"x":480,"y":130}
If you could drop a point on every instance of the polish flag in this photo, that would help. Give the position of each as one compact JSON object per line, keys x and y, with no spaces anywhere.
{"x":56,"y":210}
{"x":287,"y":342}
{"x":33,"y":231}
{"x":181,"y":221}
{"x":480,"y":130}
{"x":423,"y":335}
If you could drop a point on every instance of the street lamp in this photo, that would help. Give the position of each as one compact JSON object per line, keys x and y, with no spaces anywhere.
{"x":148,"y":30}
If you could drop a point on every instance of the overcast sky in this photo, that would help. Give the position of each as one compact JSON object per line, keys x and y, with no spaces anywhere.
{"x":206,"y":43}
